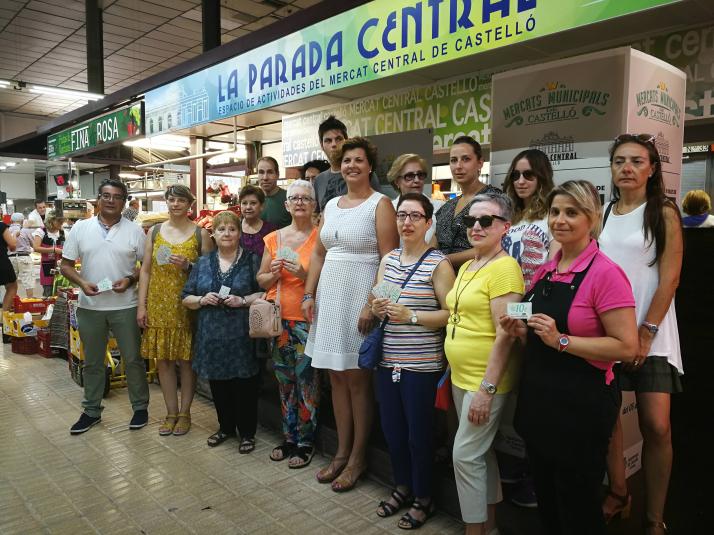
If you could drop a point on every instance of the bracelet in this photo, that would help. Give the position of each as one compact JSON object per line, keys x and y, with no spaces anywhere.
{"x":245,"y":302}
{"x":307,"y":297}
{"x":199,"y":300}
{"x":131,"y":279}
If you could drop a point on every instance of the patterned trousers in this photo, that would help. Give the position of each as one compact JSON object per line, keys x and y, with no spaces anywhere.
{"x":298,"y":384}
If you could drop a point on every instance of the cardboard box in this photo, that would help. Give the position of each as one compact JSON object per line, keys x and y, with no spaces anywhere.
{"x":15,"y":324}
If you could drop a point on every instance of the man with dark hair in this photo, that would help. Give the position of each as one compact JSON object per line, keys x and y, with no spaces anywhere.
{"x":110,"y":247}
{"x":313,"y":168}
{"x":37,"y":216}
{"x":330,"y":183}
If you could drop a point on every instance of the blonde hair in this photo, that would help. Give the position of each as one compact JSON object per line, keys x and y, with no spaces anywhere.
{"x":226,"y":217}
{"x":397,"y":165}
{"x":696,"y":202}
{"x":52,"y":220}
{"x":586,"y":198}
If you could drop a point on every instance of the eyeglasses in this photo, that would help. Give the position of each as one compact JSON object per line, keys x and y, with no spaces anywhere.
{"x":411,"y":177}
{"x":528,"y":174}
{"x":300,"y":200}
{"x":415,"y":217}
{"x":485,"y":220}
{"x":110,"y":197}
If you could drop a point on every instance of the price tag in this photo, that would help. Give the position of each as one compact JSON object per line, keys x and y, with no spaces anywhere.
{"x":522,"y":311}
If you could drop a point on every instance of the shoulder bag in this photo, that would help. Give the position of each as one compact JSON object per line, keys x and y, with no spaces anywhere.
{"x":370,"y":352}
{"x":264,"y":317}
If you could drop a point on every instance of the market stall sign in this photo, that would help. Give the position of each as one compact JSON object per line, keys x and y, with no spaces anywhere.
{"x":370,"y":42}
{"x":452,"y":108}
{"x":100,"y":132}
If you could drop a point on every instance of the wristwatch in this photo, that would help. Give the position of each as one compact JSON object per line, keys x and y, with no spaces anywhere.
{"x":563,"y":342}
{"x":651,"y":327}
{"x":413,"y":319}
{"x":489,"y":388}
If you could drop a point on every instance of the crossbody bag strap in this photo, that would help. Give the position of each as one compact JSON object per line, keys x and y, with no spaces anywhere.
{"x":277,"y":293}
{"x":607,"y":214}
{"x":416,"y":266}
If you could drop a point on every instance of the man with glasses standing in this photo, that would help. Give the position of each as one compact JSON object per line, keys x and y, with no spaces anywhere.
{"x":110,"y":247}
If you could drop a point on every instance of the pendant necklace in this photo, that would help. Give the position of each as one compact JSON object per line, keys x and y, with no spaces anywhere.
{"x":455,"y":317}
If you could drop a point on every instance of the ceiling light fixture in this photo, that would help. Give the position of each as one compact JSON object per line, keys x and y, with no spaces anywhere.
{"x":2,"y":167}
{"x":4,"y":83}
{"x":61,"y":92}
{"x":129,"y":175}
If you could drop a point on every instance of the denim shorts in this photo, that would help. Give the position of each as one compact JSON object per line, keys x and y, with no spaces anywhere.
{"x":655,"y":375}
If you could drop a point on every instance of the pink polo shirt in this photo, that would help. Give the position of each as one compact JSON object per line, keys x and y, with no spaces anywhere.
{"x":605,"y":287}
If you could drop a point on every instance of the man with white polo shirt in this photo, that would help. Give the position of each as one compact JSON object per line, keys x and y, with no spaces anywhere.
{"x":109,"y":247}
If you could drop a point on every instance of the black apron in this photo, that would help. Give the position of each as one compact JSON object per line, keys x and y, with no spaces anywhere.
{"x":565,"y":412}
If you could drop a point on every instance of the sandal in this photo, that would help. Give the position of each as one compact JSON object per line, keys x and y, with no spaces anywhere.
{"x":332,"y":470}
{"x":284,"y":451}
{"x":302,"y":455}
{"x":655,"y":525}
{"x":622,"y":507}
{"x":183,"y":424}
{"x":167,"y":426}
{"x":217,"y":438}
{"x":246,"y":445}
{"x":348,"y":479}
{"x":409,"y":522}
{"x":386,"y":509}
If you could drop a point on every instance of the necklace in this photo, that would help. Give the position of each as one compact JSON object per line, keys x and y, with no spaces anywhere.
{"x":455,"y":317}
{"x":224,"y":276}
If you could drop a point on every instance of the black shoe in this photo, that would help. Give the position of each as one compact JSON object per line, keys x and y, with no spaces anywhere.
{"x":84,"y":423}
{"x":140,"y":419}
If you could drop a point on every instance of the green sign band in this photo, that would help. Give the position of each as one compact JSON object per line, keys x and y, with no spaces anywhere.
{"x":96,"y":133}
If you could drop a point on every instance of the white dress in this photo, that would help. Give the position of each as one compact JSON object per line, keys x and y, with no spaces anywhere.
{"x":623,"y":241}
{"x":347,"y":277}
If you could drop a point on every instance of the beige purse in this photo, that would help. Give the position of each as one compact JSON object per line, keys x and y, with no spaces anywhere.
{"x":264,"y":317}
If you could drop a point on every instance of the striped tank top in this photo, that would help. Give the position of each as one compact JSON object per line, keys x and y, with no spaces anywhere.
{"x":413,"y":347}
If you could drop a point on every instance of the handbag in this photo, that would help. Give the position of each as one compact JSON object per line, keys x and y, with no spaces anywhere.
{"x":443,"y":391}
{"x":265,"y":317}
{"x":370,"y":352}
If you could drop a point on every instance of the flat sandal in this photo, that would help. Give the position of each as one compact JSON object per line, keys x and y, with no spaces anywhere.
{"x":167,"y":426}
{"x":183,"y":424}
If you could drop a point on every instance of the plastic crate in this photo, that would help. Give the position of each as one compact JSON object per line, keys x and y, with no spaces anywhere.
{"x":24,"y":346}
{"x":44,"y":337}
{"x":32,"y":305}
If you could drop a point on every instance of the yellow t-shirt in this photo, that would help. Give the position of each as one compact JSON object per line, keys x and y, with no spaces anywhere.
{"x":469,"y":348}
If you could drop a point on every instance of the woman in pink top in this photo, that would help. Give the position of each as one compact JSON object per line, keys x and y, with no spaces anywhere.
{"x":583,"y":321}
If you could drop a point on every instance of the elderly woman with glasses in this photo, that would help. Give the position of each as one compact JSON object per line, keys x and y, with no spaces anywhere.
{"x":642,"y":232}
{"x":413,"y":359}
{"x":283,"y":272}
{"x":582,"y":321}
{"x":478,"y":350}
{"x":408,"y":175}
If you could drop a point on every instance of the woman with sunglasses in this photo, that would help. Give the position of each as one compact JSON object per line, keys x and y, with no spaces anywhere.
{"x":583,"y":320}
{"x":643,"y":234}
{"x":478,"y":350}
{"x":407,"y":175}
{"x":298,"y":381}
{"x":465,"y":161}
{"x":413,"y":359}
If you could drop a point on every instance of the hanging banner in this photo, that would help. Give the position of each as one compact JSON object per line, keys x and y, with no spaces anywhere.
{"x":692,"y":51}
{"x":369,"y":42}
{"x":451,"y":109}
{"x":98,"y":133}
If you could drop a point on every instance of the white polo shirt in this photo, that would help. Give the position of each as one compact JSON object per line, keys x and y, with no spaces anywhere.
{"x":111,"y":254}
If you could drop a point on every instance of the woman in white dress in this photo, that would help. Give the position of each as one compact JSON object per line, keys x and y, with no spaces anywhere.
{"x":642,"y":232}
{"x":357,"y":229}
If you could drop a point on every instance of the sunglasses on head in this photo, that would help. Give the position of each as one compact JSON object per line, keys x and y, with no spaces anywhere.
{"x":485,"y":220}
{"x":642,"y":138}
{"x":528,"y":174}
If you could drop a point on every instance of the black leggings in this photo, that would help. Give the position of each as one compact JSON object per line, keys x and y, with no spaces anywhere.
{"x":236,"y":402}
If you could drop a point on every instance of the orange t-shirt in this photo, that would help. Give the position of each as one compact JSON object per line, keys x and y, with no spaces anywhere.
{"x":291,"y":288}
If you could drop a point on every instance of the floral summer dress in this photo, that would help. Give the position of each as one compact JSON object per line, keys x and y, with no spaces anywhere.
{"x":168,"y":332}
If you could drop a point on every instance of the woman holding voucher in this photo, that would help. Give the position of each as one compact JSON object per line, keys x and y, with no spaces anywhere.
{"x":643,"y":234}
{"x":357,"y":229}
{"x":478,"y":352}
{"x":283,"y":270}
{"x":582,"y":320}
{"x":413,"y":359}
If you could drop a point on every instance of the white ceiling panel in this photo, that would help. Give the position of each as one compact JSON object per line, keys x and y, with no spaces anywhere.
{"x":65,"y":10}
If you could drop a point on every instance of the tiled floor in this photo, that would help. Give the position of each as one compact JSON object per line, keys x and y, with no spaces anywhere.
{"x":112,"y":480}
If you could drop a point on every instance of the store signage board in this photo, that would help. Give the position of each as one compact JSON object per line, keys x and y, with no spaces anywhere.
{"x":452,"y":108}
{"x":97,"y":133}
{"x":370,"y":42}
